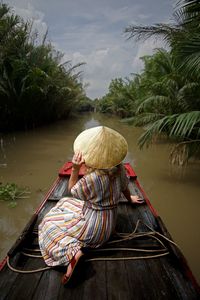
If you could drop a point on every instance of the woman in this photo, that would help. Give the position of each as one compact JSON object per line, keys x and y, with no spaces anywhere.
{"x":88,"y":218}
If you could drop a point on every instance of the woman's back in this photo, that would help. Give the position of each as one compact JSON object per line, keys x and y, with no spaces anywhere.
{"x":101,"y":189}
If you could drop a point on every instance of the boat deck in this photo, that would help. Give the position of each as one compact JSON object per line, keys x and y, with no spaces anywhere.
{"x":166,"y":277}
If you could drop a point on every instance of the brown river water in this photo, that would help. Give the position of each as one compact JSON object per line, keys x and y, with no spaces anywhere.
{"x":33,"y":159}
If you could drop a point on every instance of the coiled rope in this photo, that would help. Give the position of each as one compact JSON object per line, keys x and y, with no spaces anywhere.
{"x":25,"y":271}
{"x":123,"y":237}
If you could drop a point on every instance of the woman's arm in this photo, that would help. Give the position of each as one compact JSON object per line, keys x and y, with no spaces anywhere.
{"x":132,"y":198}
{"x":77,"y":162}
{"x":73,"y":178}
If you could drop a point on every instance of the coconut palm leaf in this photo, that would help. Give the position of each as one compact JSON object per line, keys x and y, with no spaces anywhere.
{"x":188,"y":52}
{"x":156,"y":128}
{"x":145,"y":119}
{"x":128,"y":120}
{"x":189,"y":12}
{"x":185,"y":123}
{"x":183,"y":36}
{"x":188,"y":97}
{"x":164,"y":31}
{"x":181,"y":126}
{"x":165,"y":60}
{"x":153,"y":101}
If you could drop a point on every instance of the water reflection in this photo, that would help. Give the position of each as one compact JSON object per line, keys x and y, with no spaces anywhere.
{"x":92,"y":123}
{"x":33,"y":159}
{"x":3,"y":163}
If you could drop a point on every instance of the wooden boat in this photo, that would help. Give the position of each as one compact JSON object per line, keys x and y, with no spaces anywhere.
{"x":142,"y":265}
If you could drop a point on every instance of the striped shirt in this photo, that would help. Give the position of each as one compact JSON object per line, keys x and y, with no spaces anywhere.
{"x":85,"y":220}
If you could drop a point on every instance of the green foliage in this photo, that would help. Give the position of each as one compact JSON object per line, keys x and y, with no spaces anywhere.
{"x":35,"y":87}
{"x":171,"y":108}
{"x":120,"y":99}
{"x":11,"y":192}
{"x":86,"y":104}
{"x":165,"y":97}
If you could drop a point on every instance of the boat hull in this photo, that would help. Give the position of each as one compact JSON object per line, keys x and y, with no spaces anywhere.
{"x":108,"y":274}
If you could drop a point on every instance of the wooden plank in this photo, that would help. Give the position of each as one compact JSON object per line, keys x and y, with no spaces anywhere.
{"x":95,"y":278}
{"x":61,"y":189}
{"x":145,"y":282}
{"x":143,"y":211}
{"x":117,"y":281}
{"x":7,"y":279}
{"x":160,"y":271}
{"x":122,"y":287}
{"x":86,"y":278}
{"x":184,"y":287}
{"x":48,"y":286}
{"x":23,"y":237}
{"x":25,"y":284}
{"x":88,"y":281}
{"x":148,"y":281}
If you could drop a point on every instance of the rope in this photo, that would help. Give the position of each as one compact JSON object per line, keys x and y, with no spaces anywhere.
{"x":32,"y":249}
{"x":128,"y":249}
{"x":124,"y":237}
{"x":24,"y":271}
{"x":31,"y":255}
{"x":126,"y":258}
{"x":92,"y":259}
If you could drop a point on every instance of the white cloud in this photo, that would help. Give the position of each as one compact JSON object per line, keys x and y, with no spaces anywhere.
{"x":90,"y":31}
{"x":124,"y":13}
{"x":102,"y":65}
{"x":29,"y":13}
{"x":146,"y":48}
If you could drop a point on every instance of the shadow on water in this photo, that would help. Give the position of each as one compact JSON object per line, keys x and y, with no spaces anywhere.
{"x":33,"y":159}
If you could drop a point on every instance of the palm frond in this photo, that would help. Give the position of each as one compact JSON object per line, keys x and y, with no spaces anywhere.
{"x":190,"y":11}
{"x":146,"y":118}
{"x":170,"y":85}
{"x":128,"y":120}
{"x":184,"y":95}
{"x":179,"y":16}
{"x":185,"y":124}
{"x":165,"y":31}
{"x":189,"y":52}
{"x":152,"y":101}
{"x":165,"y":60}
{"x":156,"y":128}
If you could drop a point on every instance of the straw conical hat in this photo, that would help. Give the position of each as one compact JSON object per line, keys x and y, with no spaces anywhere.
{"x":101,"y":147}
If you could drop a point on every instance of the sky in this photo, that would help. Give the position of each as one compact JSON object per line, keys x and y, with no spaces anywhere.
{"x":92,"y":31}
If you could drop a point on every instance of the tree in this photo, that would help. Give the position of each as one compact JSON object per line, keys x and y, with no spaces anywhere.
{"x":173,"y":104}
{"x":35,"y":87}
{"x":183,"y":36}
{"x":120,"y":98}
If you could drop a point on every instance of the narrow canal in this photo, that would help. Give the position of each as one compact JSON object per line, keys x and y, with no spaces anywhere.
{"x":33,"y":159}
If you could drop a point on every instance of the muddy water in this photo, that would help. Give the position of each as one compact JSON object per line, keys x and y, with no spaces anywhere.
{"x":33,"y":158}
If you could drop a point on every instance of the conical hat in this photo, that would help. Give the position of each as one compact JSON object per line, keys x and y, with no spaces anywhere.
{"x":101,"y":147}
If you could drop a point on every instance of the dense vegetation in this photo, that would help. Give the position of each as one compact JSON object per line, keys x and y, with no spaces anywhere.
{"x":35,"y":87}
{"x":165,"y":97}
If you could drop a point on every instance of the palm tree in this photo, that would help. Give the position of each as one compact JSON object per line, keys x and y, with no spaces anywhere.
{"x":183,"y":36}
{"x":34,"y":86}
{"x":174,"y":103}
